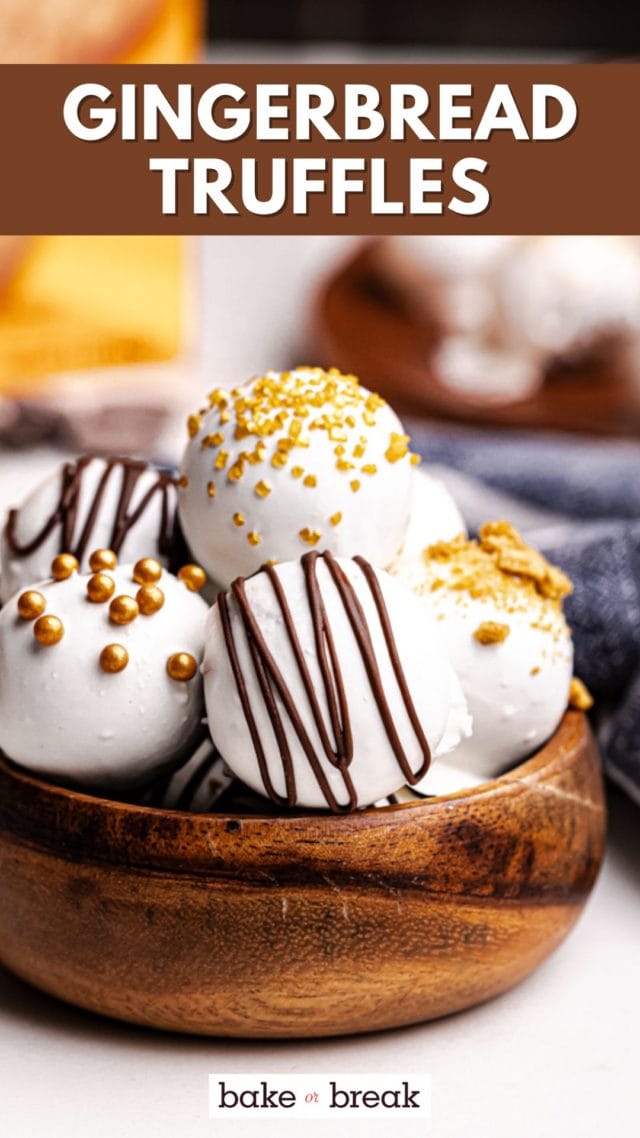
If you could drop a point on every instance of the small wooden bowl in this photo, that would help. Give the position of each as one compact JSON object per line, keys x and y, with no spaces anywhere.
{"x":302,"y":925}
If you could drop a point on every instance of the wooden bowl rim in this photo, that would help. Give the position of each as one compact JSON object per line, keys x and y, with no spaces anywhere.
{"x":571,"y":732}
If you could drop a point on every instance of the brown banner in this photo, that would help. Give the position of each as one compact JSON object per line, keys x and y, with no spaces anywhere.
{"x":586,"y":181}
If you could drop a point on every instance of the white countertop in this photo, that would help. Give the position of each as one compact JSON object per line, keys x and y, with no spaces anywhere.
{"x":555,"y":1057}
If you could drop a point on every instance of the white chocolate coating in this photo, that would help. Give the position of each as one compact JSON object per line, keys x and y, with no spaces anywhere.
{"x":564,"y":297}
{"x":336,"y":484}
{"x":374,"y":768}
{"x":62,"y":715}
{"x":516,"y":688}
{"x":17,"y":572}
{"x":434,"y":517}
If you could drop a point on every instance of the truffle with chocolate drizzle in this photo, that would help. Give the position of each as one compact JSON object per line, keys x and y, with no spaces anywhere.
{"x":122,"y":504}
{"x":325,"y":685}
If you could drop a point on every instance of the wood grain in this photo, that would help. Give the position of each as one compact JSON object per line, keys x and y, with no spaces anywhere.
{"x":361,"y":326}
{"x":301,"y":925}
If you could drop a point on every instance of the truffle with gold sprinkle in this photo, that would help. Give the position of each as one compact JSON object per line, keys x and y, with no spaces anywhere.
{"x":290,"y":461}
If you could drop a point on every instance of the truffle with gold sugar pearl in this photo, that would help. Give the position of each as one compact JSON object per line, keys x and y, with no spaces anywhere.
{"x":497,"y":604}
{"x":91,"y":700}
{"x":292,"y":461}
{"x":326,"y":685}
{"x":117,"y":507}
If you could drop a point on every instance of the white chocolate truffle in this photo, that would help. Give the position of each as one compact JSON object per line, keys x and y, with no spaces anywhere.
{"x":196,"y":786}
{"x":498,"y":610}
{"x":565,"y":298}
{"x":98,"y":706}
{"x":448,"y":280}
{"x":292,"y":461}
{"x":91,"y":503}
{"x":481,"y":370}
{"x":325,"y":684}
{"x":434,"y":517}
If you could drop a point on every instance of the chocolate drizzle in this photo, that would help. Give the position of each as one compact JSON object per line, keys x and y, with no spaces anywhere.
{"x":66,"y":511}
{"x":336,"y":738}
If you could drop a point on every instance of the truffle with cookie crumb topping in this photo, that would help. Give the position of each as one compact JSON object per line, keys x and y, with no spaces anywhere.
{"x":498,"y":608}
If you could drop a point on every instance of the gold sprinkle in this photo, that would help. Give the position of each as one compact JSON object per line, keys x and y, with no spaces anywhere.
{"x":297,"y":471}
{"x":48,"y":630}
{"x":368,"y":419}
{"x":31,"y":604}
{"x":102,"y":559}
{"x":235,"y":472}
{"x":113,"y":658}
{"x":335,"y":519}
{"x":193,"y":576}
{"x":254,"y":538}
{"x":238,"y":519}
{"x":211,"y":489}
{"x":194,"y":424}
{"x":491,"y":632}
{"x":535,"y":671}
{"x":100,"y":588}
{"x":224,"y":416}
{"x":337,"y":435}
{"x":310,"y":536}
{"x":150,"y":599}
{"x":358,"y":450}
{"x":123,"y":610}
{"x":147,"y":571}
{"x":310,"y":480}
{"x":579,"y":695}
{"x":182,"y":666}
{"x":339,"y":450}
{"x":355,"y":485}
{"x":344,"y":464}
{"x":369,"y":468}
{"x":398,"y":447}
{"x":262,"y":488}
{"x":183,"y":482}
{"x":415,"y":459}
{"x":280,"y":458}
{"x":218,"y":397}
{"x":221,"y":459}
{"x":63,"y":566}
{"x":217,"y":439}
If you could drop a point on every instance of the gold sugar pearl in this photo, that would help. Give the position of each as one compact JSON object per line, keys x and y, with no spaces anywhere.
{"x":100,"y":588}
{"x":150,"y":599}
{"x":193,"y":577}
{"x":113,"y":658}
{"x":254,"y":538}
{"x":102,"y":559}
{"x":147,"y":571}
{"x":182,"y":666}
{"x":63,"y":566}
{"x":31,"y":604}
{"x":48,"y":630}
{"x":123,"y":610}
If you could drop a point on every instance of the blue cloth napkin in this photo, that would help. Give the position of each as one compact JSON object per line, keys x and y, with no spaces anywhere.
{"x":579,"y":501}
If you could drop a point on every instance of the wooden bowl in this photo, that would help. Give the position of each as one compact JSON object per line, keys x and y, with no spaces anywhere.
{"x":361,"y":325}
{"x":303,"y":925}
